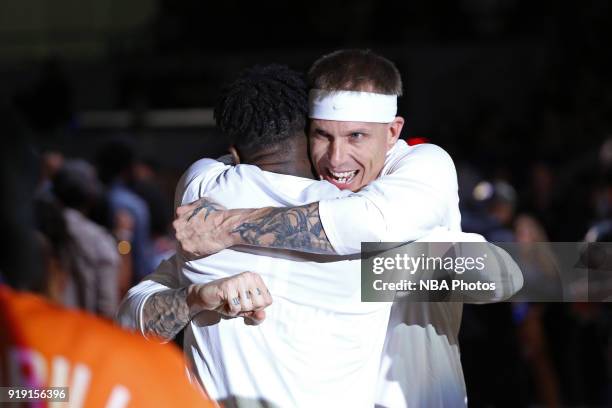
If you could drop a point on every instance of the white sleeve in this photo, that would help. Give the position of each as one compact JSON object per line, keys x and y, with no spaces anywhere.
{"x":504,"y":272}
{"x":129,"y":315}
{"x":500,"y":269}
{"x":405,"y":204}
{"x":196,"y":180}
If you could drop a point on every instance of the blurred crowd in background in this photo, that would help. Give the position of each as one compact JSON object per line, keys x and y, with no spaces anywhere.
{"x":534,"y":156}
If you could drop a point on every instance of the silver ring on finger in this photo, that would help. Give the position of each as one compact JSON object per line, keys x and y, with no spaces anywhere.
{"x":236,"y":301}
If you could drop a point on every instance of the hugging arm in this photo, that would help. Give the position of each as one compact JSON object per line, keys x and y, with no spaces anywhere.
{"x":401,"y":206}
{"x":295,"y":228}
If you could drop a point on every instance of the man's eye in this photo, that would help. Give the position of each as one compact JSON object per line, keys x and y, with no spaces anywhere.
{"x":321,"y":135}
{"x":356,"y":135}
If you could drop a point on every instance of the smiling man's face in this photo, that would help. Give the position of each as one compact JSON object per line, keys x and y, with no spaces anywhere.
{"x":351,"y":154}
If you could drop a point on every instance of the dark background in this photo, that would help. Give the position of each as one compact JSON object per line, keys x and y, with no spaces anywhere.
{"x":514,"y":90}
{"x":500,"y":83}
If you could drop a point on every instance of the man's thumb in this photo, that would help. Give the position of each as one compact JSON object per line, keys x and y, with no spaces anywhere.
{"x":254,"y":318}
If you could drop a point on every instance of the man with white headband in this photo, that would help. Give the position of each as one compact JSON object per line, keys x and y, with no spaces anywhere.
{"x":400,"y":193}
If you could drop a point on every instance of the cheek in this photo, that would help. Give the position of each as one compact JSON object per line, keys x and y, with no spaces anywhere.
{"x":380,"y":160}
{"x":374,"y":161}
{"x":317,"y":159}
{"x":317,"y":151}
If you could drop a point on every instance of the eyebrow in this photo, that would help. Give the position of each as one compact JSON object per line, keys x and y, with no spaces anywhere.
{"x":360,"y":130}
{"x":347,"y":133}
{"x":322,"y":132}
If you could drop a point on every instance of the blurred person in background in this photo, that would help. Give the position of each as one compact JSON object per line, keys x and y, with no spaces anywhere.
{"x":44,"y":345}
{"x":93,"y":250}
{"x":54,"y":240}
{"x":540,"y":269}
{"x":129,"y":213}
{"x":538,"y":196}
{"x":494,"y":206}
{"x":488,"y":209}
{"x":599,"y":228}
{"x":50,"y":163}
{"x":540,"y":266}
{"x":586,"y":353}
{"x":147,"y":176}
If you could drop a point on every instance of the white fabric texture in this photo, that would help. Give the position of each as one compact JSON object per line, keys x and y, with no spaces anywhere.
{"x":351,"y":106}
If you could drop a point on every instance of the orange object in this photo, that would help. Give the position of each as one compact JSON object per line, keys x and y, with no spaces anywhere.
{"x":43,"y":345}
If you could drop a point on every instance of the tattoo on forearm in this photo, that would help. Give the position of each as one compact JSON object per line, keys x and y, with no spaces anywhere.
{"x":166,"y":313}
{"x":297,"y":228}
{"x":207,"y":206}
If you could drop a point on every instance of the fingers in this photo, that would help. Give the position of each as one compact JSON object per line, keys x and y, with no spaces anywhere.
{"x":186,"y":209}
{"x":245,"y":295}
{"x":200,"y":228}
{"x":259,"y":295}
{"x":257,"y":299}
{"x":259,"y":315}
{"x":254,"y":318}
{"x":233,"y":304}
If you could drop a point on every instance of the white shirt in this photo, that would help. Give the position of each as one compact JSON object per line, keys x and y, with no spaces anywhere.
{"x":319,"y":345}
{"x":415,"y":195}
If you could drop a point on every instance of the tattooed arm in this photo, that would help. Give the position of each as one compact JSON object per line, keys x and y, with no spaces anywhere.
{"x":166,"y":313}
{"x":297,"y":228}
{"x":243,"y":295}
{"x":205,"y":227}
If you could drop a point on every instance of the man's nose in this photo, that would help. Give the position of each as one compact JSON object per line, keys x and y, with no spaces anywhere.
{"x":336,"y":152}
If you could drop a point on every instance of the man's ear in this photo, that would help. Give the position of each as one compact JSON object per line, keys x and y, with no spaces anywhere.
{"x":234,"y":153}
{"x":395,"y":128}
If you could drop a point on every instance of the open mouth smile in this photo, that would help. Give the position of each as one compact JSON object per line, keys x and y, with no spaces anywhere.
{"x":341,"y":178}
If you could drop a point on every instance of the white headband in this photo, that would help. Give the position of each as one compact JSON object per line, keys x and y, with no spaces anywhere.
{"x":351,"y":106}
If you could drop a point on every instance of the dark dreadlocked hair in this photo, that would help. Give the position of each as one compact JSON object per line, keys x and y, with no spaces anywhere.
{"x":265,"y":106}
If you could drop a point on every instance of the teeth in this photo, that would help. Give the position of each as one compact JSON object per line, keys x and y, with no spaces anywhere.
{"x":343,"y":177}
{"x":343,"y":174}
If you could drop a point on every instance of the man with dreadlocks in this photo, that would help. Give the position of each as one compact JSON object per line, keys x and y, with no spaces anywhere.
{"x":319,"y":345}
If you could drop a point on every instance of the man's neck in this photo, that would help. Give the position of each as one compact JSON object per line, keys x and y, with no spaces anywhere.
{"x":278,"y":162}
